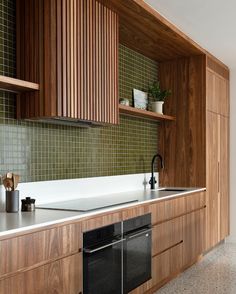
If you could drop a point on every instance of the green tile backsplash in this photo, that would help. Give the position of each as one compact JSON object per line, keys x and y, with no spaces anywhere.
{"x":40,"y":151}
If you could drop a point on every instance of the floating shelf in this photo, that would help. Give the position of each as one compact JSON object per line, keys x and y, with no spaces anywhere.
{"x":17,"y":86}
{"x":131,"y":111}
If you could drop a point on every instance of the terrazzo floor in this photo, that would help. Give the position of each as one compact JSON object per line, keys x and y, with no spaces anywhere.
{"x":214,"y":274}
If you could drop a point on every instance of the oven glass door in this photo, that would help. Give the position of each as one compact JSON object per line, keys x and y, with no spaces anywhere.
{"x":103,"y":270}
{"x":137,"y":259}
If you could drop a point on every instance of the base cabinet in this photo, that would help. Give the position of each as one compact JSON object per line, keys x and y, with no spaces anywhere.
{"x":63,"y":276}
{"x":193,"y":235}
{"x":166,"y":264}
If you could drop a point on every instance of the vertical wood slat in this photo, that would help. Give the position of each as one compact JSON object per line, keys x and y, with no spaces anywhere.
{"x":72,"y":64}
{"x":99,"y":63}
{"x":75,"y":59}
{"x":64,"y":58}
{"x":59,"y":58}
{"x":71,"y":47}
{"x":68,"y":56}
{"x":81,"y":98}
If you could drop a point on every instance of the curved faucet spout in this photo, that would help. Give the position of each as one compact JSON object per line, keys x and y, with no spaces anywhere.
{"x":152,"y":181}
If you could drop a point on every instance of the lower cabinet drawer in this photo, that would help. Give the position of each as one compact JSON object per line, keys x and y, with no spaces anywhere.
{"x":20,"y":253}
{"x":166,"y":264}
{"x":63,"y":276}
{"x":166,"y":235}
{"x":168,"y":209}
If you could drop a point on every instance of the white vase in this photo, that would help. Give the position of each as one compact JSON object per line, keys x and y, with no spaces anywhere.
{"x":157,"y":106}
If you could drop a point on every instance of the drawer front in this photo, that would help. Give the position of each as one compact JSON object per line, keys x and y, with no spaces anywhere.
{"x":195,"y":201}
{"x":34,"y":249}
{"x":135,"y":212}
{"x":63,"y":276}
{"x":166,"y":235}
{"x":168,"y":209}
{"x":166,"y":264}
{"x":101,"y":221}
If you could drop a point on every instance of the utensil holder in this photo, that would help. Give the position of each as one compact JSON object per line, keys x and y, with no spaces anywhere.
{"x":12,"y":201}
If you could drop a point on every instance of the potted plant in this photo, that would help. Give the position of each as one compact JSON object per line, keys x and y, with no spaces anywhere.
{"x":158,"y":95}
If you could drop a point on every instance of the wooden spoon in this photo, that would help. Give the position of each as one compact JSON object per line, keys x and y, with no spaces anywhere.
{"x":8,"y":184}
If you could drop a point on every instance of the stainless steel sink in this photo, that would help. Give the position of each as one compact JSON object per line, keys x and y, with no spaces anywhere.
{"x":173,"y":189}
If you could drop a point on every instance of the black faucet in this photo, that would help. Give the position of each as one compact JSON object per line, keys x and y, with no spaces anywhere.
{"x":152,"y":181}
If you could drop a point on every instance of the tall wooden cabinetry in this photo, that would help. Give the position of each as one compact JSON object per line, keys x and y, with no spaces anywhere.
{"x":71,"y":49}
{"x":217,"y":145}
{"x":196,"y":146}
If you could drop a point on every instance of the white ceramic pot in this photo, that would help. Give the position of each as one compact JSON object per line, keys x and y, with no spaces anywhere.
{"x":157,"y":106}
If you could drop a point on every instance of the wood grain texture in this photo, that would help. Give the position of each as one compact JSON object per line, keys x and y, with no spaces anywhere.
{"x":17,"y":86}
{"x":101,"y":221}
{"x":76,"y":43}
{"x":131,"y":111}
{"x":224,"y":177}
{"x":135,"y":212}
{"x":217,"y":93}
{"x":195,"y":201}
{"x":217,"y":67}
{"x":162,"y":40}
{"x":166,"y":235}
{"x":212,"y":180}
{"x":166,"y":263}
{"x":166,"y":210}
{"x":183,"y":142}
{"x":193,"y":235}
{"x":34,"y":249}
{"x":62,"y":276}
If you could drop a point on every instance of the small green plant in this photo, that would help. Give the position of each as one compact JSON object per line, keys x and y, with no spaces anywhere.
{"x":155,"y":91}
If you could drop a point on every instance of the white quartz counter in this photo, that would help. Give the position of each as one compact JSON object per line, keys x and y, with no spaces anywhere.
{"x":11,"y":223}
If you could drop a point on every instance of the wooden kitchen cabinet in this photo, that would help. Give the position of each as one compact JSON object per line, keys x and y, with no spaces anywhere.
{"x":217,"y":178}
{"x":193,"y":235}
{"x":224,"y":177}
{"x":71,"y":49}
{"x":217,"y":98}
{"x":63,"y":276}
{"x":21,"y":253}
{"x":167,"y":235}
{"x":166,"y":264}
{"x":213,"y":205}
{"x":217,"y":146}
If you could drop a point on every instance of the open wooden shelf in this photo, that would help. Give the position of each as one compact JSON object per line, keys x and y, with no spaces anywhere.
{"x":16,"y":85}
{"x":131,"y":111}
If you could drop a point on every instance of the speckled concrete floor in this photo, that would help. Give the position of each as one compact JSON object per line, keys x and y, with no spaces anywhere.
{"x":214,"y":274}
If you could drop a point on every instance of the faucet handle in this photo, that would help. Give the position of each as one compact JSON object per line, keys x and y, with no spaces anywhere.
{"x":152,"y":180}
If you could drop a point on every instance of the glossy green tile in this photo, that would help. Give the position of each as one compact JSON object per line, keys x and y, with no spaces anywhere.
{"x":40,"y":151}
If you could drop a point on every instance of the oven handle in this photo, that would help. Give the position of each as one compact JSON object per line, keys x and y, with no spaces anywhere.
{"x":140,"y":233}
{"x":90,"y":251}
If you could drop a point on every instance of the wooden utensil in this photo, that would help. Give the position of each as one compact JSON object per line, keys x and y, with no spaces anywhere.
{"x":15,"y":179}
{"x":8,"y":184}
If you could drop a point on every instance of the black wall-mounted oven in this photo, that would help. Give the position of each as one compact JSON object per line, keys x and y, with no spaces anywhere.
{"x":117,"y":258}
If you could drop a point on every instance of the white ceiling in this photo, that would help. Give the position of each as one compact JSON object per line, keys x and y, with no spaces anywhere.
{"x":211,"y":23}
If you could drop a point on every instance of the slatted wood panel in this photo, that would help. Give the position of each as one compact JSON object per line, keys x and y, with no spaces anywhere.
{"x":70,"y":48}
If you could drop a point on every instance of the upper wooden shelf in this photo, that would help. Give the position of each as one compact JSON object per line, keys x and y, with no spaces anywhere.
{"x":131,"y":111}
{"x":17,"y":86}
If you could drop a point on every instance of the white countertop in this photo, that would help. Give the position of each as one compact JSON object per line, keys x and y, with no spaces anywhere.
{"x":11,"y":223}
